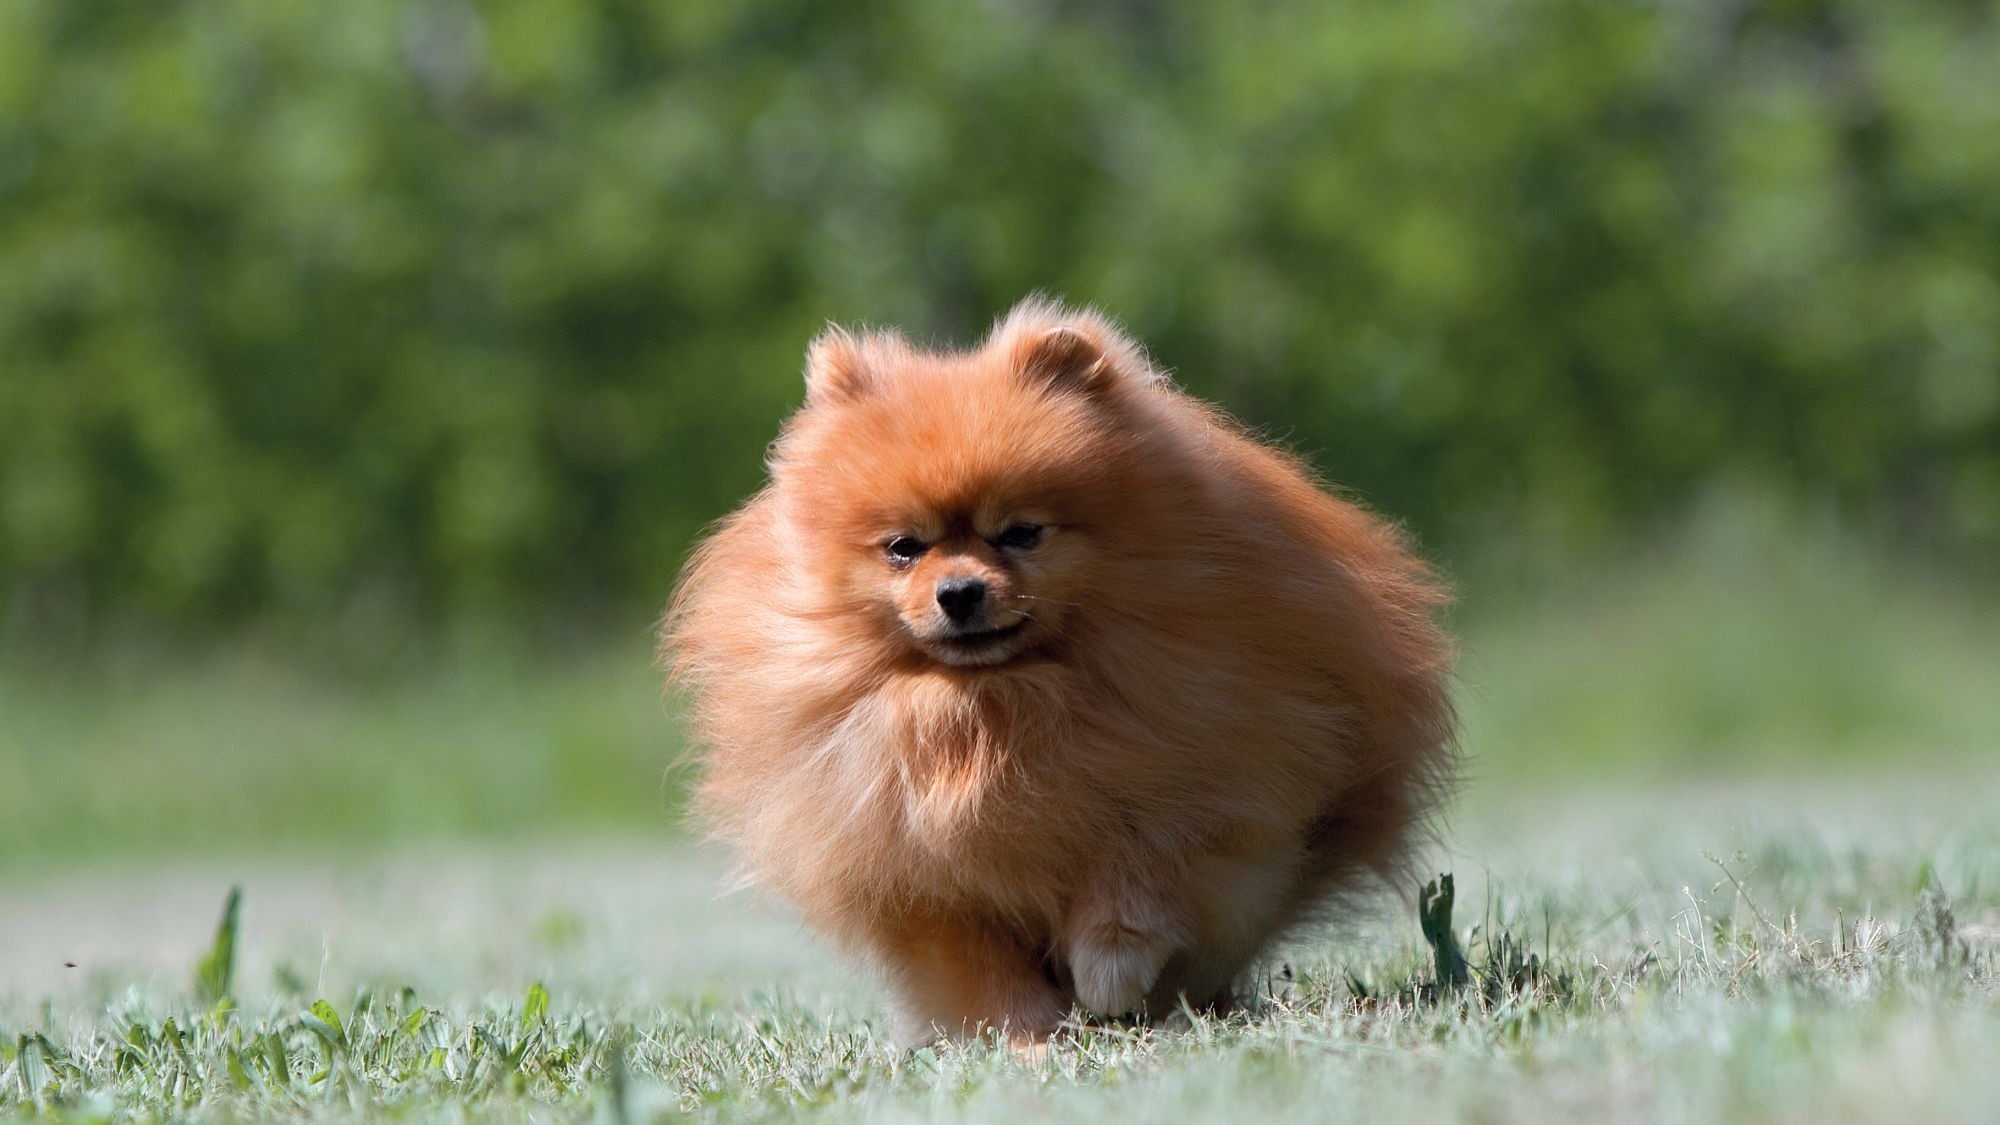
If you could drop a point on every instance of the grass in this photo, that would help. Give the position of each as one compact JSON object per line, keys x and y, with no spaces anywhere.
{"x":1727,"y":852}
{"x":1738,"y":649}
{"x":243,"y":749}
{"x":1715,"y":970}
{"x":1735,"y":648}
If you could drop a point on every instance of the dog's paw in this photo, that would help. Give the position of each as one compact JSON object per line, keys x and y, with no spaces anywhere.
{"x":1114,"y":969}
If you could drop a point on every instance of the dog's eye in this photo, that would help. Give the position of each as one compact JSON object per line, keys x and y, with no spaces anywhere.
{"x":904,"y":549}
{"x":1021,"y":536}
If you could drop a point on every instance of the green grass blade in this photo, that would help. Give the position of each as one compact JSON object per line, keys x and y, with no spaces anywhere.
{"x":213,"y":976}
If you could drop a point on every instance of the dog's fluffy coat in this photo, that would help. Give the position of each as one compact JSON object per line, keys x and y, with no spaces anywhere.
{"x":1221,"y":703}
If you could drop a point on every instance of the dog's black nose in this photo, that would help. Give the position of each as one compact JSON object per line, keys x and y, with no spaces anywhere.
{"x":960,"y":597}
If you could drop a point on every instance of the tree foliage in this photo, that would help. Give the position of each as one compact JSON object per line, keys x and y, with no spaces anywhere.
{"x":491,"y":305}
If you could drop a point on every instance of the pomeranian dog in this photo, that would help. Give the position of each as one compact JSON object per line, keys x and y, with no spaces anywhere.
{"x":1045,"y":686}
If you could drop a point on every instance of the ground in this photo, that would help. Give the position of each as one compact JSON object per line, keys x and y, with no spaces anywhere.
{"x":1759,"y":951}
{"x":1728,"y":849}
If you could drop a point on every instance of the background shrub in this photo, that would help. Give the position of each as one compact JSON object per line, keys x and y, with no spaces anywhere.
{"x":442,"y":306}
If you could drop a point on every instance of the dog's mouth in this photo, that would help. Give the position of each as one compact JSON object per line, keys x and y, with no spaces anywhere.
{"x":985,"y":637}
{"x":981,"y":646}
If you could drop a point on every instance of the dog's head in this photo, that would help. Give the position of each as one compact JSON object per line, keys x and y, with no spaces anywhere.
{"x":959,"y":501}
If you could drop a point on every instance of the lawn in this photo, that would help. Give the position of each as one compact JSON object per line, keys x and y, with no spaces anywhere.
{"x":1739,"y":954}
{"x":1728,"y":850}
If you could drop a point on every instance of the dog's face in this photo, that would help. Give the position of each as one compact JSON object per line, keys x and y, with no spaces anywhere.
{"x":978,"y":585}
{"x":957,"y":505}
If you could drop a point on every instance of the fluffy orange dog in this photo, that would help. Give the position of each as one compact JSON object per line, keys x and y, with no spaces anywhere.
{"x":1043,"y":684}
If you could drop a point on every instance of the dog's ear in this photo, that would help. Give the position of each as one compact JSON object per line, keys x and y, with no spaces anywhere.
{"x":836,"y":367}
{"x":1064,"y":359}
{"x":1068,"y":350}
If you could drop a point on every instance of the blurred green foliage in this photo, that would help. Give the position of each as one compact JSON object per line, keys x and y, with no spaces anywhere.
{"x":1737,"y":650}
{"x":310,"y":310}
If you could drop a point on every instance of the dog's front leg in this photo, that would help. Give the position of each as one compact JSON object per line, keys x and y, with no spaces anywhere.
{"x":1117,"y":939}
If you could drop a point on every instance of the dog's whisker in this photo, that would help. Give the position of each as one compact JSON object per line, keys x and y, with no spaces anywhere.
{"x":1039,"y":598}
